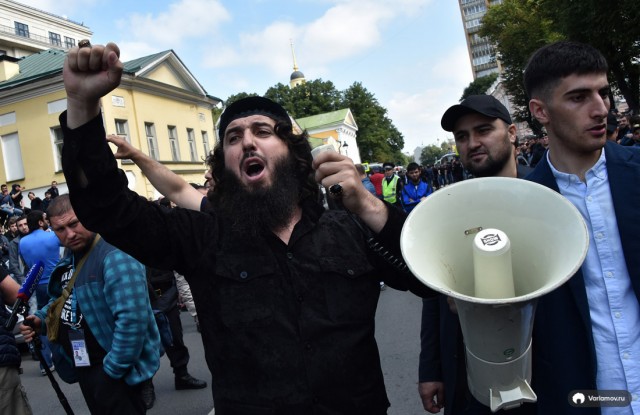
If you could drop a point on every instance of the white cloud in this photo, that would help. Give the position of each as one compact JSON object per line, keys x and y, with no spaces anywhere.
{"x":417,"y":115}
{"x":63,"y":8}
{"x":346,"y":29}
{"x":180,"y":22}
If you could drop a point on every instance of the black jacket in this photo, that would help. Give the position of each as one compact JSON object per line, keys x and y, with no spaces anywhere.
{"x":287,"y":329}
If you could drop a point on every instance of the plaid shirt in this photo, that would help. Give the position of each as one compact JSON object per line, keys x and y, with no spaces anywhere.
{"x":111,"y":290}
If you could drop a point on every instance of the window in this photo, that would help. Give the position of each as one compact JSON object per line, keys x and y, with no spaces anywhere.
{"x":12,"y":154}
{"x":57,"y":106}
{"x":56,"y":137}
{"x":191,"y":138}
{"x":22,"y":29}
{"x":476,"y":8}
{"x":482,"y":60}
{"x":173,"y":143}
{"x":150,"y":130}
{"x":54,"y":39}
{"x":205,"y":143}
{"x":122,"y":129}
{"x":69,"y":42}
{"x":473,"y":23}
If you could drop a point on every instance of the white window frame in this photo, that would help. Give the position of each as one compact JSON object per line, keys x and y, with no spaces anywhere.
{"x":205,"y":143}
{"x":122,"y":130}
{"x":56,"y":143}
{"x":191,"y":139}
{"x":173,"y":142}
{"x":152,"y":143}
{"x":12,"y":155}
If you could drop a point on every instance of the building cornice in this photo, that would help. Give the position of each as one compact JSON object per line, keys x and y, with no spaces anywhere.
{"x":41,"y":14}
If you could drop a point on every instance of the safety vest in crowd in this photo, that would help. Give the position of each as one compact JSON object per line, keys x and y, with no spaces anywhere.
{"x":389,"y":189}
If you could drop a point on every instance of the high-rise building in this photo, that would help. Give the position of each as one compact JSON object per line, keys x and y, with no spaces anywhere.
{"x":481,"y":51}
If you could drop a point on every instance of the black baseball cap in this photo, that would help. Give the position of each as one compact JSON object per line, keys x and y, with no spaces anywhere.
{"x":252,"y":106}
{"x":486,"y":105}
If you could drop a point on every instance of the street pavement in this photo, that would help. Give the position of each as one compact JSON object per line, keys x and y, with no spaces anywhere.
{"x":397,"y":332}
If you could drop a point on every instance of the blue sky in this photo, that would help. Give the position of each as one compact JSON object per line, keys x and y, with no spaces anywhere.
{"x":411,"y":54}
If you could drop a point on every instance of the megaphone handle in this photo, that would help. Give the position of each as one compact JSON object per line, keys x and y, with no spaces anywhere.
{"x":378,"y":248}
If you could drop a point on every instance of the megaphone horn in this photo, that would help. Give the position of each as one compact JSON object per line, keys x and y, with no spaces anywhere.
{"x":495,"y":245}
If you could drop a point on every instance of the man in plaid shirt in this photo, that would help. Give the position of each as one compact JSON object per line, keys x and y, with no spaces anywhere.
{"x":107,"y":339}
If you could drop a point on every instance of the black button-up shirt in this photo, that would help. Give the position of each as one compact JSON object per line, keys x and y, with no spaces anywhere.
{"x":287,"y":328}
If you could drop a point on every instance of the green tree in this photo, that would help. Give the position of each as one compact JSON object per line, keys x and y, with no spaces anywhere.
{"x":378,"y":138}
{"x":613,"y":28}
{"x":311,"y":98}
{"x":430,"y":154}
{"x":519,"y":27}
{"x":479,"y":86}
{"x":235,"y":97}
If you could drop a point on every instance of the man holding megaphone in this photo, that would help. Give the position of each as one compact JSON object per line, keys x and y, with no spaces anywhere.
{"x":485,"y":137}
{"x":586,"y":337}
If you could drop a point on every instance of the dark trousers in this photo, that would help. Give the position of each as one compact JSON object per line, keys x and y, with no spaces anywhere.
{"x":177,"y":353}
{"x":105,"y":395}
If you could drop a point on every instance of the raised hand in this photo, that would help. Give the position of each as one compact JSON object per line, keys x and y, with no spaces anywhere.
{"x":333,"y":168}
{"x":125,"y":150}
{"x":89,"y":73}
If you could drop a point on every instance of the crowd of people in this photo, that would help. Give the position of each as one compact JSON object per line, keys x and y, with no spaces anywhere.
{"x":286,"y":289}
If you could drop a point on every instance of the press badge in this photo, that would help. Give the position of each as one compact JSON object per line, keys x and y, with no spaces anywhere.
{"x":79,"y":348}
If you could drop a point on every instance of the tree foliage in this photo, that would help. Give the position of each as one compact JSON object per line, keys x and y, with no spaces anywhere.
{"x":235,"y":97}
{"x":612,"y":27}
{"x":378,"y":138}
{"x":519,"y":27}
{"x":479,"y":86}
{"x":431,"y":153}
{"x":311,"y":98}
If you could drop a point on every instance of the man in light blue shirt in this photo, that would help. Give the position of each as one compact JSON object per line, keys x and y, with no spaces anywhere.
{"x":40,"y":244}
{"x":587,"y":333}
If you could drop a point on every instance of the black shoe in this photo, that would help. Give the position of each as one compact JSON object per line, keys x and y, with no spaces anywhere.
{"x":189,"y":382}
{"x":148,"y":394}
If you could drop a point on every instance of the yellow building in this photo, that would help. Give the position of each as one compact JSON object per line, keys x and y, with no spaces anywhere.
{"x":159,"y":107}
{"x":337,"y":128}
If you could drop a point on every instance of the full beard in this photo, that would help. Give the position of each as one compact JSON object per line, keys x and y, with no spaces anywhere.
{"x":494,"y":163}
{"x":252,"y":211}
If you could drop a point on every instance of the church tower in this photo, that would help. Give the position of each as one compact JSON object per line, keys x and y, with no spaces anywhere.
{"x":297,"y":77}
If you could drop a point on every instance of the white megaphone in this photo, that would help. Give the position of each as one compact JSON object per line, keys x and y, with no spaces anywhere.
{"x":495,"y":245}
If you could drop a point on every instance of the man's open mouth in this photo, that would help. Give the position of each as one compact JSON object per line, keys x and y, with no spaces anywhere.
{"x":253,"y":166}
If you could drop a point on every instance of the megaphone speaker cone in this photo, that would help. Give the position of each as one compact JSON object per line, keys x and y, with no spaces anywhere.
{"x":495,"y":245}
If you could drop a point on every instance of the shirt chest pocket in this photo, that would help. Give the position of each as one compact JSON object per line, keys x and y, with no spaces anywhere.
{"x":245,"y":289}
{"x":351,"y":288}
